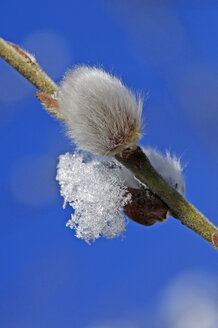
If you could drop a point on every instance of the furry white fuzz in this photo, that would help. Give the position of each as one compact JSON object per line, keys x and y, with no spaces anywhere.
{"x":102,"y":115}
{"x":169,"y":167}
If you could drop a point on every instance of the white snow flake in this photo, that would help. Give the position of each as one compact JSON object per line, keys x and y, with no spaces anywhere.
{"x":95,"y":192}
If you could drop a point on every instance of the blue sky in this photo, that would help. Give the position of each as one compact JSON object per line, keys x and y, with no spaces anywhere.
{"x":169,"y":52}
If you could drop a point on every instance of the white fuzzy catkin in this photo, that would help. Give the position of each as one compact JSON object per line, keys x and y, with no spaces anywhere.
{"x":95,"y":192}
{"x":102,"y":115}
{"x":169,"y":167}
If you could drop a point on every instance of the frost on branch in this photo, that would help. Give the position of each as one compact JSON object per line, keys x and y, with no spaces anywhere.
{"x":96,"y":193}
{"x":99,"y":189}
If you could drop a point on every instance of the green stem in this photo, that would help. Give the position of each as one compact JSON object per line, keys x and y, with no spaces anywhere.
{"x":20,"y":60}
{"x":137,"y":162}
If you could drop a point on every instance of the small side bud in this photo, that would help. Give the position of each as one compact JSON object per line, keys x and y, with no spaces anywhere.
{"x":49,"y":103}
{"x":145,"y":208}
{"x":102,"y":115}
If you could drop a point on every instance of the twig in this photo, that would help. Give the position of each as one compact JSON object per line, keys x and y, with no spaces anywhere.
{"x":136,"y":161}
{"x":26,"y":65}
{"x":180,"y":208}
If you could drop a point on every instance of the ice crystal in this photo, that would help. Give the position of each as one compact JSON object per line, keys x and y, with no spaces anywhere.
{"x":96,"y":188}
{"x":97,"y":194}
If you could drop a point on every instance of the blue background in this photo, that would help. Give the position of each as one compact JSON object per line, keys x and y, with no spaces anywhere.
{"x":168,"y":50}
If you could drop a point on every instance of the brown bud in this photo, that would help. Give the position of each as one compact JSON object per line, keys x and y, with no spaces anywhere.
{"x":49,"y":103}
{"x":145,"y":208}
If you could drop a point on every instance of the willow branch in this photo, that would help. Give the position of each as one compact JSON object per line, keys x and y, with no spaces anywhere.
{"x":26,"y":65}
{"x":136,"y":161}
